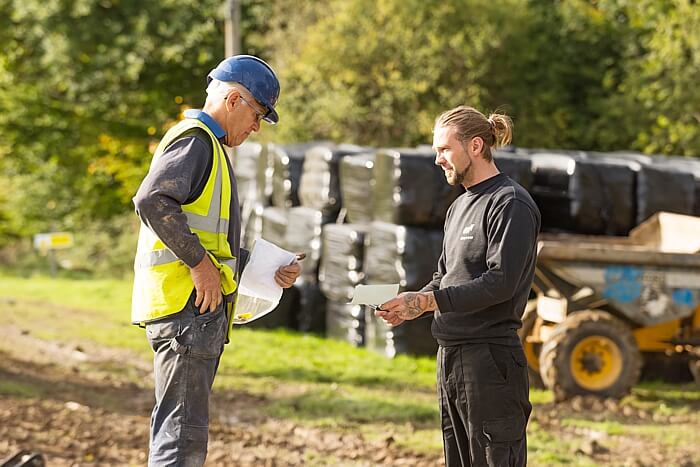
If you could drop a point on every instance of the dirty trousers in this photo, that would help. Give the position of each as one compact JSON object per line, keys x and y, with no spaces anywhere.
{"x":484,"y":404}
{"x":187,"y":347}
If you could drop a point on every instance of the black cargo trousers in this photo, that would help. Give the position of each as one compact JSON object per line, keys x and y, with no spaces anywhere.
{"x":484,"y":404}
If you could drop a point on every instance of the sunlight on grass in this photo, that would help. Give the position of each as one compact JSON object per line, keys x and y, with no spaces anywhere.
{"x":292,"y":356}
{"x":101,"y":295}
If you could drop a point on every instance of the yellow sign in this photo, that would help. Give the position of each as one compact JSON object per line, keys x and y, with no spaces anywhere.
{"x":53,"y":241}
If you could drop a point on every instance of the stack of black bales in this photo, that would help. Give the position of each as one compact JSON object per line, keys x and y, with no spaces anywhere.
{"x":411,"y":198}
{"x":320,"y":181}
{"x":287,"y":164}
{"x":357,"y":186}
{"x":584,"y":194}
{"x":516,"y":166}
{"x":314,"y":186}
{"x":341,"y":269}
{"x":407,"y":256}
{"x":304,"y":229}
{"x":274,"y":225}
{"x":410,"y":189}
{"x":246,"y":160}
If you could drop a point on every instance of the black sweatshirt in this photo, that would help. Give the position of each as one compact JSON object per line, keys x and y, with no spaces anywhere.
{"x":487,"y":264}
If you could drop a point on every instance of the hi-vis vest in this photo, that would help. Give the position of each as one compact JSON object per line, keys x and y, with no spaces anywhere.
{"x":162,"y":282}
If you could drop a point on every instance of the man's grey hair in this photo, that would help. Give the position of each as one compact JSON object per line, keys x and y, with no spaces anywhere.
{"x":218,"y":89}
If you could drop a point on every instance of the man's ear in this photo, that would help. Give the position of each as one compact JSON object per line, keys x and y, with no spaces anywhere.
{"x":477,"y":145}
{"x":231,"y":98}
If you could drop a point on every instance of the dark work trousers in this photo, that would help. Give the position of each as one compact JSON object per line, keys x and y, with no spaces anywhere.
{"x":187,"y":347}
{"x":484,"y":404}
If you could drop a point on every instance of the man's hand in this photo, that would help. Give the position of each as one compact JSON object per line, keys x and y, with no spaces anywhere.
{"x":207,"y":283}
{"x":406,"y":306}
{"x":285,"y":276}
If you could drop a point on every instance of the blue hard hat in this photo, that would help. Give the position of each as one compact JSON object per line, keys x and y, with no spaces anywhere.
{"x":256,"y":76}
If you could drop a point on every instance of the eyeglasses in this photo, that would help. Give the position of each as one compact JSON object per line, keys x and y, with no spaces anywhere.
{"x":258,"y":114}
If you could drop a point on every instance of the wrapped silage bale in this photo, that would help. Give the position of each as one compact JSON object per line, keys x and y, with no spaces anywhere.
{"x":588,"y":194}
{"x":603,"y":199}
{"x":689,"y":165}
{"x":319,"y":187}
{"x":550,"y":189}
{"x":400,"y":254}
{"x":407,"y":256}
{"x":345,"y":322}
{"x":274,"y":225}
{"x":303,"y":235}
{"x":664,"y":188}
{"x":411,"y":337}
{"x":311,"y":315}
{"x":517,"y":166}
{"x":356,"y":187}
{"x":287,"y":164}
{"x":284,"y":316}
{"x":245,"y":159}
{"x":263,"y":176}
{"x":253,"y":227}
{"x":410,"y":189}
{"x":342,"y":253}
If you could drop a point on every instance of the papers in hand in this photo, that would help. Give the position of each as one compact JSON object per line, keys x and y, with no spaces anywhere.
{"x":374,"y":295}
{"x":258,"y":293}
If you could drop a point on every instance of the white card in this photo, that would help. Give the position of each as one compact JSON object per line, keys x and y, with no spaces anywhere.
{"x":374,"y":294}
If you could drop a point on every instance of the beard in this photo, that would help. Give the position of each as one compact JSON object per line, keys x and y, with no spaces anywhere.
{"x":457,"y":178}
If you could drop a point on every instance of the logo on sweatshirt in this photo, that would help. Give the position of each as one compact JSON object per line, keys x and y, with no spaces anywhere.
{"x":466,"y":232}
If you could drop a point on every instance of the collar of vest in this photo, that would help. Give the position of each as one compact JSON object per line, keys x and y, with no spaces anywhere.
{"x":207,"y":120}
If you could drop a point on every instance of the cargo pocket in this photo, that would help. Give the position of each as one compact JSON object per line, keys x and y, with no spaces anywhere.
{"x":209,"y":333}
{"x":505,"y":441}
{"x":161,"y":331}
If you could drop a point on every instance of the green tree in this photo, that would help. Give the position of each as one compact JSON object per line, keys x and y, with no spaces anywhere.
{"x":661,"y":92}
{"x":85,"y":87}
{"x":378,"y":72}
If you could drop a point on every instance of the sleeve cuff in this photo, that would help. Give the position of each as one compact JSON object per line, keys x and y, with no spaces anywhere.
{"x":195,"y":259}
{"x":442,"y":300}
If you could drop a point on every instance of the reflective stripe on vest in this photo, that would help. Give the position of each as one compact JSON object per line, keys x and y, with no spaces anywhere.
{"x":158,"y":257}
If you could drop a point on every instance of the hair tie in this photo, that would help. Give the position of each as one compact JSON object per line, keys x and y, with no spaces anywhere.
{"x":492,"y":124}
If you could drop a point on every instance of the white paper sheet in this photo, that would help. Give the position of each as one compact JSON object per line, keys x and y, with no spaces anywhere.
{"x":258,"y":293}
{"x":374,"y":294}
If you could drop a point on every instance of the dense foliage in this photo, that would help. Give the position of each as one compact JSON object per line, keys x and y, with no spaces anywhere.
{"x":88,"y":86}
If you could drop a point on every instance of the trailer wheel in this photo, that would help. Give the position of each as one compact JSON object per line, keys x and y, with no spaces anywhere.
{"x":590,"y":352}
{"x":532,"y":350}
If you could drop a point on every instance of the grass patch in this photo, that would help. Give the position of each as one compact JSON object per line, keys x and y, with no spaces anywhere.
{"x":320,"y":382}
{"x":291,"y":356}
{"x":18,"y":389}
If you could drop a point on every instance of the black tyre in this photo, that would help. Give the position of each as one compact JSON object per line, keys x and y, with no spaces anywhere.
{"x":591,"y":352}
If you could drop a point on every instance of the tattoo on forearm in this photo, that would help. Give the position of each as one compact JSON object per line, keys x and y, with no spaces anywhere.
{"x":417,"y":304}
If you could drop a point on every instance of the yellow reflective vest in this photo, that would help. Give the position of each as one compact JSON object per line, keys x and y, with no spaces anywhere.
{"x":162,"y":282}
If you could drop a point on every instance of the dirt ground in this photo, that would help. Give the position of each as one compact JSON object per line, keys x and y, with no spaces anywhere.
{"x":86,"y":415}
{"x":83,"y":413}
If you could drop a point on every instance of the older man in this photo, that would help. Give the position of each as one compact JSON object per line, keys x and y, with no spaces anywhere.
{"x":189,"y":258}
